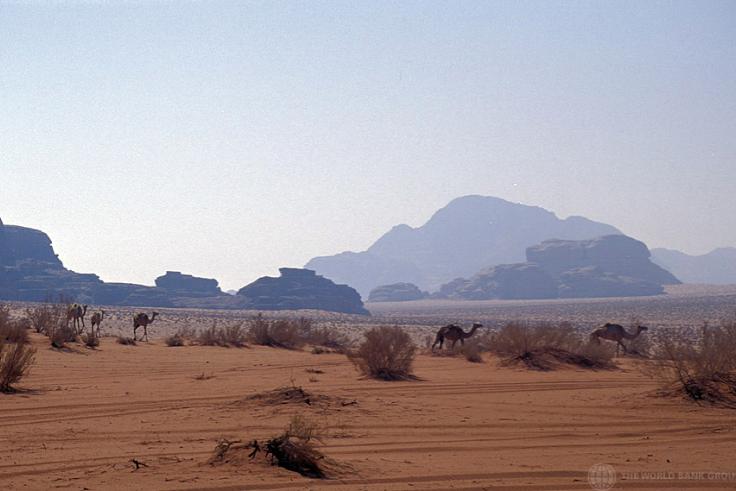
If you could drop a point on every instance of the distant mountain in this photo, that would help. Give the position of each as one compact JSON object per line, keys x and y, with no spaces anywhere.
{"x":467,"y":235}
{"x":716,"y":267}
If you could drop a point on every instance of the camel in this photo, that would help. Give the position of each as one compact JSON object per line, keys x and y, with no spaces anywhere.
{"x":74,"y":313}
{"x":615,"y":332}
{"x":453,"y":333}
{"x":142,"y":320}
{"x":96,"y":320}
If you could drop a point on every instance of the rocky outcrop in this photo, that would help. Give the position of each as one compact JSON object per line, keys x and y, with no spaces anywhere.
{"x":465,"y":236}
{"x":609,"y":266}
{"x":187,"y":285}
{"x":299,"y":289}
{"x":717,"y":267}
{"x":616,"y":254}
{"x":397,"y":292}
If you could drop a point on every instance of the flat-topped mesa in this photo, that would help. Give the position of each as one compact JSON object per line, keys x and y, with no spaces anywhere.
{"x":397,"y":292}
{"x":175,"y":281}
{"x":299,"y":289}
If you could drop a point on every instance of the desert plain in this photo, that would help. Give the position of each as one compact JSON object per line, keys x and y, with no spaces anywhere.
{"x":149,"y":416}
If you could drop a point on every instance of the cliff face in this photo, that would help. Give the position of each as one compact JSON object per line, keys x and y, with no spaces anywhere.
{"x":26,"y":245}
{"x":468,"y":234}
{"x":609,"y":266}
{"x":300,"y":289}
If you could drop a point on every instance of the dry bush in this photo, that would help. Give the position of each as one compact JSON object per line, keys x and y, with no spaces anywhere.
{"x":13,"y":330}
{"x":91,"y":340}
{"x":126,"y":341}
{"x":175,"y":339}
{"x":542,"y":346}
{"x":472,"y":351}
{"x":15,"y":362}
{"x":210,"y":336}
{"x":329,"y":337}
{"x":282,"y":333}
{"x":387,"y":353}
{"x":704,"y":370}
{"x":46,"y":317}
{"x":293,"y":449}
{"x":62,"y":334}
{"x":233,"y":335}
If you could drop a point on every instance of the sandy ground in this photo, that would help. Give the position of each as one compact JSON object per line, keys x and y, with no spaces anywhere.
{"x":85,"y":414}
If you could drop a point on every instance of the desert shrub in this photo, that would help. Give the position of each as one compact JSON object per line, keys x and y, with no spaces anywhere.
{"x":472,"y":351}
{"x":704,"y":370}
{"x":13,"y":330}
{"x":62,"y":334}
{"x":210,"y":336}
{"x":15,"y":362}
{"x":175,"y":340}
{"x":126,"y":341}
{"x":542,"y":346}
{"x":233,"y":335}
{"x":326,"y":337}
{"x":293,"y":449}
{"x":91,"y":340}
{"x":387,"y":353}
{"x":281,"y":333}
{"x":46,"y":317}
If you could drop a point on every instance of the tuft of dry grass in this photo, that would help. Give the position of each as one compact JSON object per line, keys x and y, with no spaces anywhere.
{"x":15,"y":362}
{"x":387,"y":353}
{"x":703,"y":371}
{"x":543,"y":346}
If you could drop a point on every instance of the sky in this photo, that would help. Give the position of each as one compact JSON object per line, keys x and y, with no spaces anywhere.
{"x":228,"y":139}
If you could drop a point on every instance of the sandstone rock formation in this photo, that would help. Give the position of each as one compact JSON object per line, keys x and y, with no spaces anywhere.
{"x":609,"y":266}
{"x":397,"y":292}
{"x":301,"y":289}
{"x":188,"y":285}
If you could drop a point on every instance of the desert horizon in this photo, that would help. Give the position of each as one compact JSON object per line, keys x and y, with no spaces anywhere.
{"x":414,"y":245}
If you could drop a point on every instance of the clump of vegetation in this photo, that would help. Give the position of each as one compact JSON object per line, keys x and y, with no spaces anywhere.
{"x":704,"y":370}
{"x":175,"y":339}
{"x":281,"y":333}
{"x":15,"y":362}
{"x":472,"y":351}
{"x":387,"y":353}
{"x":543,"y":346}
{"x":126,"y":341}
{"x":327,"y":338}
{"x":293,"y":449}
{"x":232,"y":335}
{"x":46,"y":317}
{"x":62,"y":334}
{"x":13,"y":330}
{"x":91,"y":340}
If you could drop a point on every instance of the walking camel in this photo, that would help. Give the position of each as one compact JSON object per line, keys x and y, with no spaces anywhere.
{"x":76,"y":313}
{"x":453,"y":333}
{"x":96,"y":320}
{"x":615,"y":332}
{"x":142,"y":320}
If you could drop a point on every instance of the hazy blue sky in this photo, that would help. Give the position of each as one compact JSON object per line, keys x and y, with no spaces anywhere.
{"x":226,"y":139}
